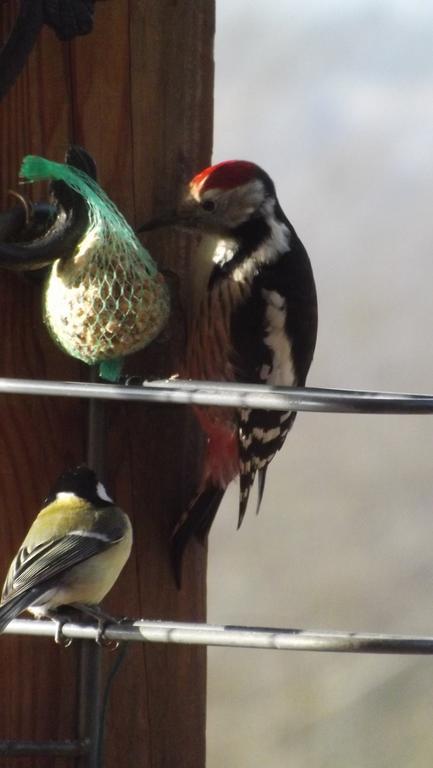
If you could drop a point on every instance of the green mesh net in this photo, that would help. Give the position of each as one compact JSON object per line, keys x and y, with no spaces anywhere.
{"x":107,"y":299}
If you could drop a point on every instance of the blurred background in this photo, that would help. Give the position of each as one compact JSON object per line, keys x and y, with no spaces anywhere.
{"x":335,"y":101}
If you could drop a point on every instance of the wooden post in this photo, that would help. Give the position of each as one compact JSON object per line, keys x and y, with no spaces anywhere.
{"x":137,"y":93}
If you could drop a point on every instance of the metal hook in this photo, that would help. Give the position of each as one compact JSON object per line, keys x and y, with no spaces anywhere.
{"x":27,"y":205}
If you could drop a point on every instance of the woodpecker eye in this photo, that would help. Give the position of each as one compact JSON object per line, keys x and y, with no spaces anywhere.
{"x":208,"y":205}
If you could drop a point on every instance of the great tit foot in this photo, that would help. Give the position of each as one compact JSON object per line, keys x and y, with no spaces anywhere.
{"x":59,"y":637}
{"x":103,"y":619}
{"x":104,"y":642}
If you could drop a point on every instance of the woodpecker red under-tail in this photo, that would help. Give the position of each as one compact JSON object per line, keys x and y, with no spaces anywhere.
{"x":255,"y":322}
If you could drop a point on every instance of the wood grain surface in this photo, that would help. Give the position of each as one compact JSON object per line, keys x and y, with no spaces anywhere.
{"x":137,"y":93}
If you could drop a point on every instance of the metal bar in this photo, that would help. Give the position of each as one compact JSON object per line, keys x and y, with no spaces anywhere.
{"x":232,"y":395}
{"x":21,"y":748}
{"x":234,"y":637}
{"x":89,"y":697}
{"x":90,"y":672}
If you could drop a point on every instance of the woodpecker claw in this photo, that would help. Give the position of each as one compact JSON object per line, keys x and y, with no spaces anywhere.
{"x":131,"y":381}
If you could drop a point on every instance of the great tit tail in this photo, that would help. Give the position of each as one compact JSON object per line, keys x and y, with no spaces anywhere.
{"x":16,"y":604}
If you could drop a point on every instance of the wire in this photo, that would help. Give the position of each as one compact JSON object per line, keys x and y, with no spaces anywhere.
{"x":118,"y":661}
{"x":233,"y":395}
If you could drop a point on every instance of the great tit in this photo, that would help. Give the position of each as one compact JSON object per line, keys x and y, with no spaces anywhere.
{"x":73,"y":552}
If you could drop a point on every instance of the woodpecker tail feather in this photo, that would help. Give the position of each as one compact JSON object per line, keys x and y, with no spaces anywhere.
{"x":197,"y":522}
{"x":262,"y":480}
{"x":261,"y":435}
{"x":246,"y":480}
{"x":17,"y":604}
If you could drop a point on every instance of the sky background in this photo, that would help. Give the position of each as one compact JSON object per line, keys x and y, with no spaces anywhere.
{"x":335,"y":101}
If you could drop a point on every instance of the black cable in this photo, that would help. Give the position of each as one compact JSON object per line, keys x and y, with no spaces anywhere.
{"x":120,"y":657}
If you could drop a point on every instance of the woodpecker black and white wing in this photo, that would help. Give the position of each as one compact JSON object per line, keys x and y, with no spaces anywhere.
{"x":280,"y":323}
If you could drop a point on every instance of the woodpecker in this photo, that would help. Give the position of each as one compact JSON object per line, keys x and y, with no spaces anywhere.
{"x":255,"y":321}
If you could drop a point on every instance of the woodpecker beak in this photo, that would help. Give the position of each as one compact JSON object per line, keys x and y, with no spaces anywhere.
{"x":165,"y":220}
{"x":185,"y":216}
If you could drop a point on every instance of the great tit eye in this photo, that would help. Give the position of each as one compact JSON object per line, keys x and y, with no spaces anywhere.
{"x":208,"y":205}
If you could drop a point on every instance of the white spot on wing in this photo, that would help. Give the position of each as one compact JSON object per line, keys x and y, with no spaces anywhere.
{"x":246,"y":440}
{"x":276,"y":339}
{"x":266,"y":435}
{"x":274,"y":299}
{"x":275,"y":317}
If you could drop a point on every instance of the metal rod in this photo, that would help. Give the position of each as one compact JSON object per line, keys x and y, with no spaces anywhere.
{"x":89,"y":680}
{"x":232,"y":395}
{"x":89,"y":697}
{"x":234,"y":637}
{"x":22,"y":748}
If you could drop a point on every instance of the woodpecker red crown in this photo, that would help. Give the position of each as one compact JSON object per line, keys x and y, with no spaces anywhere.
{"x":226,"y":175}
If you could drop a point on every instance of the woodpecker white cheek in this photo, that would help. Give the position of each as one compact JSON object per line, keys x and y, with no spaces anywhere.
{"x":224,"y":252}
{"x":235,"y":206}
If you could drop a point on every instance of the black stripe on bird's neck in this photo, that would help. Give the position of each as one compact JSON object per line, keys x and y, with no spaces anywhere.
{"x":249,"y":236}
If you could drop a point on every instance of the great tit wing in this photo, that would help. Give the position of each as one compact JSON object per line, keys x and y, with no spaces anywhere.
{"x":51,"y":559}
